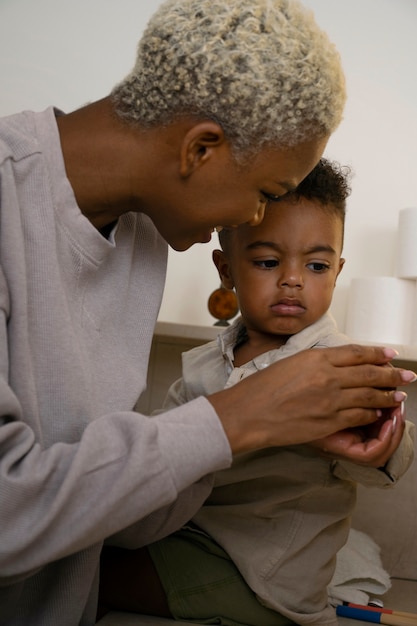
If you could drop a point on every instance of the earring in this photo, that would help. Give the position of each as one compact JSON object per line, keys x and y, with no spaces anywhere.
{"x":222,"y":304}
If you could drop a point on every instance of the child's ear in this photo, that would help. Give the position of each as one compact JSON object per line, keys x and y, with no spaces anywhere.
{"x":199,"y":145}
{"x":341,"y":264}
{"x":222,"y":263}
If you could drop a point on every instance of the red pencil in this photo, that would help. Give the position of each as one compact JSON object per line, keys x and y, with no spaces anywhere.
{"x":381,"y":610}
{"x":376,"y":617}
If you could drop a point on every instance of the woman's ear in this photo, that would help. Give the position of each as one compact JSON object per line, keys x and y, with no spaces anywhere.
{"x":199,"y":144}
{"x":222,"y":263}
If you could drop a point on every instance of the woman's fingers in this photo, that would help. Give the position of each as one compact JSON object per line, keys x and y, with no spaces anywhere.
{"x":356,"y":354}
{"x":370,"y":397}
{"x":360,"y":366}
{"x":309,"y":396}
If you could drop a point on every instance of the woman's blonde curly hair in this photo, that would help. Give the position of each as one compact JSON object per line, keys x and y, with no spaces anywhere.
{"x":262,"y":69}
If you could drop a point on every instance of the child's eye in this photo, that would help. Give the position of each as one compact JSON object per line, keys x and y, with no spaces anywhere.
{"x":318,"y":267}
{"x":267,"y":263}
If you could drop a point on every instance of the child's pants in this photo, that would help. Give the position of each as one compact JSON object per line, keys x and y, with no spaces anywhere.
{"x":203,"y":585}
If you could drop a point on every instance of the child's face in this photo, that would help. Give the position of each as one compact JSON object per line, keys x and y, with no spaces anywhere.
{"x":285,"y":269}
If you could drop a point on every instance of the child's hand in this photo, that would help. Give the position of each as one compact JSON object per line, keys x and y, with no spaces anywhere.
{"x":370,"y":445}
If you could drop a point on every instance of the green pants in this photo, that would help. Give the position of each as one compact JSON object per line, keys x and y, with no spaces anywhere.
{"x":203,"y":585}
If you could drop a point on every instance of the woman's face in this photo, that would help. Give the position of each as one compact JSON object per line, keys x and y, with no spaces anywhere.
{"x":224,"y":193}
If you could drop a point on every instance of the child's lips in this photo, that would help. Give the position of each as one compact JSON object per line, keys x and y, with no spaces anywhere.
{"x":288,"y":306}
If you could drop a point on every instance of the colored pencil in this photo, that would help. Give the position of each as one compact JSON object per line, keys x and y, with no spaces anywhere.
{"x":375,"y":616}
{"x":380,"y":609}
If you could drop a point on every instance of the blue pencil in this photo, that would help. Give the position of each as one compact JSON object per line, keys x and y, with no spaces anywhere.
{"x":381,"y":609}
{"x":375,"y":617}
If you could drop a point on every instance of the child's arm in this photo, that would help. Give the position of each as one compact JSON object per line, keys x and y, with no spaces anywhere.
{"x":176,"y":395}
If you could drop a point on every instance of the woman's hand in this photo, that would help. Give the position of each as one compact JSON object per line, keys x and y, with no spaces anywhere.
{"x":313,"y":395}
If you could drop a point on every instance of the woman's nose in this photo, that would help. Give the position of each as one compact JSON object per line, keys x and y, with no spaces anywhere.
{"x":259,"y":215}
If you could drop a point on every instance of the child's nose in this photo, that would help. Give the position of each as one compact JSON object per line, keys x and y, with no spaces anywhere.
{"x":291,"y":277}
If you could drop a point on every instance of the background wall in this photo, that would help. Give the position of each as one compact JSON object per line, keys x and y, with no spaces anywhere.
{"x":67,"y":53}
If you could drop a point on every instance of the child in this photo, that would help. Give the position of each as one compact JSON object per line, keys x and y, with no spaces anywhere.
{"x":279,"y":515}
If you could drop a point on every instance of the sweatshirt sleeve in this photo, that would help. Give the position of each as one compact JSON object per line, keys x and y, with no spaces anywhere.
{"x":167,"y":520}
{"x":170,"y":518}
{"x":62,"y":499}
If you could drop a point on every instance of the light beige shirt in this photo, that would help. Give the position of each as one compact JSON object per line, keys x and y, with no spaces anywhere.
{"x":282,"y":514}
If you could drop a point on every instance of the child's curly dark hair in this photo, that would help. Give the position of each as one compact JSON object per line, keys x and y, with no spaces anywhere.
{"x":328,"y":184}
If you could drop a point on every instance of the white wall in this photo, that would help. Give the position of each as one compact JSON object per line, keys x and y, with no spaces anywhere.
{"x":67,"y":53}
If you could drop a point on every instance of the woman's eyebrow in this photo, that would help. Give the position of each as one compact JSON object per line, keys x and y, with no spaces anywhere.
{"x":287,"y":185}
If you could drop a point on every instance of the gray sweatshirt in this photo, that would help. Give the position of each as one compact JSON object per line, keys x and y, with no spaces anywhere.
{"x":77,"y":463}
